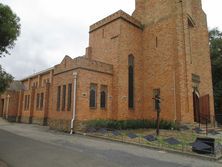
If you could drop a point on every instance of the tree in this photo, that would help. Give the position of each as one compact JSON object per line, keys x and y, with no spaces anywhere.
{"x":9,"y":29}
{"x":216,"y":60}
{"x":5,"y":79}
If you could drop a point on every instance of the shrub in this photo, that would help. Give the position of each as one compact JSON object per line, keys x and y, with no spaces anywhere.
{"x":130,"y":124}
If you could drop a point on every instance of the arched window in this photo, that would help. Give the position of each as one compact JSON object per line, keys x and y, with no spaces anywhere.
{"x":92,"y":96}
{"x":103,"y":96}
{"x":131,"y":81}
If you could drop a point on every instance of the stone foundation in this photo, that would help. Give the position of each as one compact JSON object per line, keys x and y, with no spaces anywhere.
{"x":38,"y":121}
{"x":26,"y":120}
{"x":80,"y":126}
{"x":18,"y":119}
{"x":61,"y":125}
{"x":11,"y":118}
{"x":65,"y":125}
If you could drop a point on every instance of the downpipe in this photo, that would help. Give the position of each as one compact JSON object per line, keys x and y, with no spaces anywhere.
{"x":74,"y":103}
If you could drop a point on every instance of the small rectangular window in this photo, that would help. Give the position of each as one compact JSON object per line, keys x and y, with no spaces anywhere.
{"x":63,"y":97}
{"x":41,"y":101}
{"x":58,"y":97}
{"x":69,"y":97}
{"x":92,"y":95}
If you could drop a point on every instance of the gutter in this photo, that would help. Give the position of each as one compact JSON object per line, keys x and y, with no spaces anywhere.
{"x":74,"y":102}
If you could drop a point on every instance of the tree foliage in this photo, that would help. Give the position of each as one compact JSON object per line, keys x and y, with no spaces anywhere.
{"x":9,"y":29}
{"x":216,"y":60}
{"x":5,"y":80}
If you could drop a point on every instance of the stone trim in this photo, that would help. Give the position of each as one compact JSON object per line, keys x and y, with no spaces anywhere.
{"x":83,"y":69}
{"x":117,"y":15}
{"x":195,"y":78}
{"x":87,"y":64}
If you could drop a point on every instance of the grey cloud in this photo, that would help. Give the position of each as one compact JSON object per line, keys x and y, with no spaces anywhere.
{"x":54,"y":28}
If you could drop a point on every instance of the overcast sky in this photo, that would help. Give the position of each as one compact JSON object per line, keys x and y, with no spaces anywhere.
{"x":52,"y":29}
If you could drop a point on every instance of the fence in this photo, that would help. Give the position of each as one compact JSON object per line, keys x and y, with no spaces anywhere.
{"x":219,"y":118}
{"x":182,"y":141}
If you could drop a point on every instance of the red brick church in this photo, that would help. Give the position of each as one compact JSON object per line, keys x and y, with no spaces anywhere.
{"x":161,"y":49}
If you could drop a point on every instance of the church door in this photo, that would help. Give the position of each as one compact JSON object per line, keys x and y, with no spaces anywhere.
{"x":205,"y":109}
{"x":196,"y":107}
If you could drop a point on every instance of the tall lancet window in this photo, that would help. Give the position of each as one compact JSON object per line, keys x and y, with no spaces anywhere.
{"x":131,"y":81}
{"x":191,"y":25}
{"x":92,"y":96}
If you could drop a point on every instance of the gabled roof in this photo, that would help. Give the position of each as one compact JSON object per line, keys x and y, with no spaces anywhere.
{"x":65,"y":59}
{"x":16,"y":86}
{"x":38,"y":73}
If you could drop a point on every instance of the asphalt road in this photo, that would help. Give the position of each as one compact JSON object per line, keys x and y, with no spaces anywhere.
{"x":35,"y":146}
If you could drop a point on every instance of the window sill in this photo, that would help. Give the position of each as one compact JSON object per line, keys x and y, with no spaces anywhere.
{"x":132,"y":109}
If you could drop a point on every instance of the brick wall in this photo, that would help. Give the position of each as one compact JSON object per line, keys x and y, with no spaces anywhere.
{"x":112,"y":43}
{"x":60,"y":80}
{"x":10,"y":108}
{"x":20,"y":105}
{"x":159,"y":68}
{"x":26,"y":112}
{"x":130,"y":43}
{"x":40,"y":111}
{"x":169,"y":42}
{"x":169,"y":45}
{"x":84,"y":112}
{"x":196,"y":55}
{"x":89,"y":71}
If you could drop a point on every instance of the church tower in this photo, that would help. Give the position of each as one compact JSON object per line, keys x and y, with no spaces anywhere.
{"x":176,"y":58}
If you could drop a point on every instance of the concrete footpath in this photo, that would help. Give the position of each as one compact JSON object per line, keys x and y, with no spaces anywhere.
{"x":23,"y":145}
{"x":2,"y":164}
